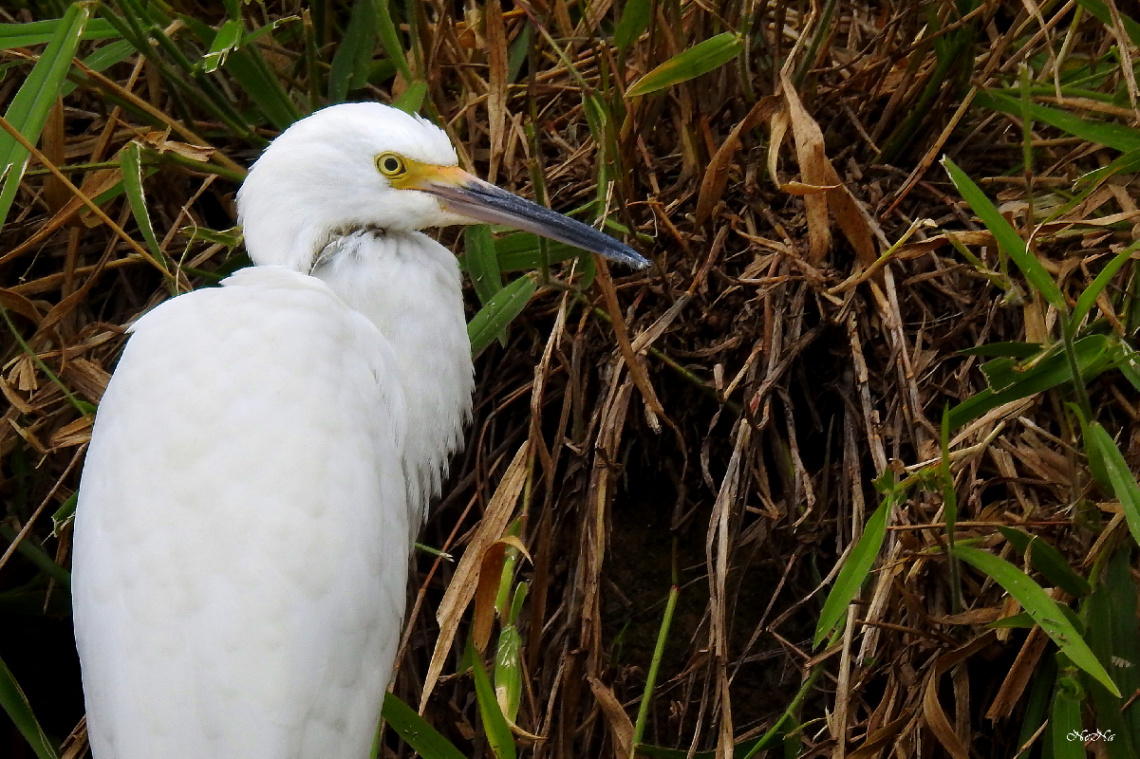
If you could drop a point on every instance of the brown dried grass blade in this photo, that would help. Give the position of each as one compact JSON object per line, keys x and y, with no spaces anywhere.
{"x":54,"y":144}
{"x":621,"y":727}
{"x":466,"y":579}
{"x":496,"y":38}
{"x":817,"y":171}
{"x":935,"y":719}
{"x":490,"y":573}
{"x":621,"y":334}
{"x":716,"y":175}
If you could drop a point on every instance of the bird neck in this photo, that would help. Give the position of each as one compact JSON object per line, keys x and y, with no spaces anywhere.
{"x":409,"y":286}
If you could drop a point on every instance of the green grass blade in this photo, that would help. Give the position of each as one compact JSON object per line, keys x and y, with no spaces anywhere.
{"x":33,"y":551}
{"x":226,"y":40}
{"x":696,"y":61}
{"x":131,"y":163}
{"x":522,"y":251}
{"x":263,"y":86}
{"x":1006,"y":235}
{"x":855,"y":571}
{"x":482,"y":262}
{"x":29,"y":108}
{"x":1111,"y":614}
{"x":349,"y":70}
{"x":15,"y":703}
{"x":655,"y":665}
{"x":390,"y":37}
{"x":520,"y":48}
{"x":416,"y":732}
{"x":502,"y":309}
{"x":499,"y":735}
{"x":949,"y":508}
{"x":1041,"y":607}
{"x":1100,"y":444}
{"x":508,"y":672}
{"x":634,"y":21}
{"x":39,"y":32}
{"x":102,"y":59}
{"x":1096,"y":287}
{"x":1007,"y":350}
{"x":64,"y":514}
{"x":1092,"y":354}
{"x":1038,"y":703}
{"x":413,"y":97}
{"x":1065,"y":722}
{"x":1098,"y":9}
{"x":1047,"y":560}
{"x":1117,"y":136}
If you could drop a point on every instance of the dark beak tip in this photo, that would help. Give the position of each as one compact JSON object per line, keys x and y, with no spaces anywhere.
{"x":629,"y":257}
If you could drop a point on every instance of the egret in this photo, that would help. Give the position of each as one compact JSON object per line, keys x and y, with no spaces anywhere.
{"x":265,"y":451}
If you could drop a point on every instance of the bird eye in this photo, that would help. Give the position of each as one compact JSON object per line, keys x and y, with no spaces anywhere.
{"x":390,"y":164}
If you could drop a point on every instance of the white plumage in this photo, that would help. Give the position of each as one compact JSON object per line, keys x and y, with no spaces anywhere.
{"x":265,"y":450}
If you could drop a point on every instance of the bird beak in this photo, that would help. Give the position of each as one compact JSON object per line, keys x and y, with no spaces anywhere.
{"x":470,"y":197}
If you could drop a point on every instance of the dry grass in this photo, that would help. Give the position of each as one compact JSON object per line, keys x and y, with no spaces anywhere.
{"x":715,"y":423}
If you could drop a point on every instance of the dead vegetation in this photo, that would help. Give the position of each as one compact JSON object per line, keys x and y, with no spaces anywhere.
{"x":717,"y":423}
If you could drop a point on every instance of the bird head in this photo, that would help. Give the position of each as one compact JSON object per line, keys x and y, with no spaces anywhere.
{"x":370,"y":166}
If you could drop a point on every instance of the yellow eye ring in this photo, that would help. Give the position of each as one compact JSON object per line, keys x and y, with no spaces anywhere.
{"x":390,"y":164}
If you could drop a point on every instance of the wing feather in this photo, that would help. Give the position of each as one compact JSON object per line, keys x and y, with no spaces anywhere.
{"x":242,"y":535}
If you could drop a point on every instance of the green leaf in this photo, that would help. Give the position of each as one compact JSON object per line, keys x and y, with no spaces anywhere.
{"x":1099,"y":443}
{"x":655,"y":664}
{"x":1041,"y":607}
{"x":416,"y":732}
{"x":500,"y":311}
{"x":482,"y":262}
{"x":522,"y":251}
{"x":1001,"y":373}
{"x":1047,"y":560}
{"x":350,"y":63}
{"x":16,"y":704}
{"x":1093,"y":356}
{"x":29,"y":108}
{"x":263,"y":85}
{"x":949,"y":506}
{"x":1098,"y":9}
{"x":131,"y":163}
{"x":225,"y":42}
{"x":1127,"y":163}
{"x":1096,"y":287}
{"x":39,"y":32}
{"x":102,"y":59}
{"x":1020,"y":621}
{"x":1006,"y":236}
{"x":508,"y":673}
{"x":413,"y":97}
{"x":520,"y":48}
{"x":1037,"y":704}
{"x":63,"y":514}
{"x":1010,"y":350}
{"x":1118,"y":136}
{"x":494,"y":723}
{"x":696,"y":61}
{"x":634,"y":21}
{"x":855,"y":571}
{"x":390,"y":37}
{"x":1065,"y":722}
{"x":33,"y":551}
{"x":1111,"y":614}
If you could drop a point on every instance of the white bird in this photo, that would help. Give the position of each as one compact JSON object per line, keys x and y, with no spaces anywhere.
{"x":265,"y":450}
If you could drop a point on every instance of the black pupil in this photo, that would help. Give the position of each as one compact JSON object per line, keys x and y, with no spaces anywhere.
{"x":391,"y":164}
